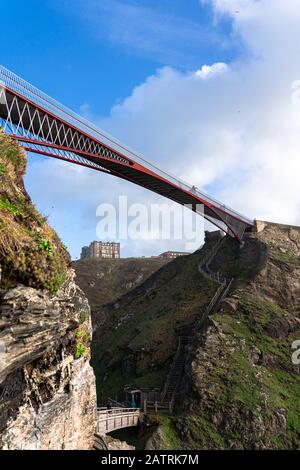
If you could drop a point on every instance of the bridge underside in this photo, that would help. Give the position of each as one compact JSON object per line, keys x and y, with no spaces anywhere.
{"x":45,"y":127}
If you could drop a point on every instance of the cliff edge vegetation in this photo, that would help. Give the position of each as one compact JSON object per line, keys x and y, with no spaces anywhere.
{"x":30,"y":251}
{"x":47,"y":386}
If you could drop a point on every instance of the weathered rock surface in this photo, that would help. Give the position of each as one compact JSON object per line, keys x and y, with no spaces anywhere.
{"x":115,"y":444}
{"x":47,"y":396}
{"x":243,"y":386}
{"x":47,"y":387}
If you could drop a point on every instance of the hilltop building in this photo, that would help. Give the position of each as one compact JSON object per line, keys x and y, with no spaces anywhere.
{"x":100,"y":250}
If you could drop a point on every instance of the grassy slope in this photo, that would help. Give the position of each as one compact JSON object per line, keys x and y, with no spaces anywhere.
{"x":106,"y":280}
{"x":143,"y":326}
{"x":245,"y":389}
{"x":30,"y":251}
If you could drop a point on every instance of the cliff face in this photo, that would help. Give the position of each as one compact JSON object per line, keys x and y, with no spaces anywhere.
{"x":243,"y":388}
{"x":47,"y":387}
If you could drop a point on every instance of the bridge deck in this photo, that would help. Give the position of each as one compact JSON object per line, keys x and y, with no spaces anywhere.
{"x":46,"y":127}
{"x":109,"y":420}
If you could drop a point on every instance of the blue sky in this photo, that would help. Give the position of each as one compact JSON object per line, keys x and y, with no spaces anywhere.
{"x":200,"y":80}
{"x":97,"y":51}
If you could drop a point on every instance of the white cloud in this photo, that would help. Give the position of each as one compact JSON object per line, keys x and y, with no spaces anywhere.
{"x":239,"y":134}
{"x":208,"y":71}
{"x":244,"y":8}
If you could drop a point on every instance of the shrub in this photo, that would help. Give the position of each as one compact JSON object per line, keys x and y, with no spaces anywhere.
{"x":83,"y":335}
{"x":55,"y":282}
{"x":80,"y":350}
{"x":45,"y":246}
{"x":82,"y":338}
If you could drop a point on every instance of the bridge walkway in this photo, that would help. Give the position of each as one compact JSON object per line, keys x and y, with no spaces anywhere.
{"x":109,"y":420}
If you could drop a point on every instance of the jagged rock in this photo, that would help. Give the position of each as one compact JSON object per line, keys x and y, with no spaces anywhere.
{"x":243,"y":386}
{"x":47,"y":397}
{"x":156,"y":441}
{"x":115,"y":444}
{"x":47,"y":387}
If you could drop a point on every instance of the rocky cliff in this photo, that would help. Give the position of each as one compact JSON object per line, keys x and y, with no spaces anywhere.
{"x":240,"y":389}
{"x":47,"y":387}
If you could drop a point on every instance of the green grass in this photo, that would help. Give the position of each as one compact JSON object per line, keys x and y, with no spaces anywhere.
{"x":204,"y":434}
{"x":170,"y":437}
{"x":263,"y":389}
{"x":83,"y":334}
{"x":55,"y":282}
{"x":158,"y":312}
{"x":45,"y":246}
{"x":13,"y":209}
{"x":79,"y":350}
{"x":284,"y":394}
{"x":13,"y":155}
{"x":284,"y":256}
{"x":83,"y":315}
{"x":248,"y":377}
{"x":82,"y":341}
{"x":152,"y":379}
{"x":30,"y":251}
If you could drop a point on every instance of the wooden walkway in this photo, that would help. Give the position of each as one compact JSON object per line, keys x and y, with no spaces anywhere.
{"x":109,"y":420}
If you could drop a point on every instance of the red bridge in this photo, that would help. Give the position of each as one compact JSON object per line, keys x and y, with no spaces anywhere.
{"x":46,"y":127}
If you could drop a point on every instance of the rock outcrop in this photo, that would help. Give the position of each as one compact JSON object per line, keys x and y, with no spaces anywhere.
{"x":243,"y":386}
{"x":47,"y":386}
{"x":47,"y":391}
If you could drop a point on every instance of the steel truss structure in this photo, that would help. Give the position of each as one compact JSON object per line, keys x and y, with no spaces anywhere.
{"x":44,"y":126}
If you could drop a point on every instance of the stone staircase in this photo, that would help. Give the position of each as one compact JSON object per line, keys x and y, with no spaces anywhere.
{"x":176,"y":371}
{"x":222,"y":281}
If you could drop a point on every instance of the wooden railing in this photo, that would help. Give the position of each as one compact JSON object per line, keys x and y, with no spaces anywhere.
{"x":109,"y":420}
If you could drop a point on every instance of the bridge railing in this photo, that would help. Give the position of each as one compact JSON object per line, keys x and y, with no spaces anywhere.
{"x":111,"y":419}
{"x":116,"y":409}
{"x":10,"y":80}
